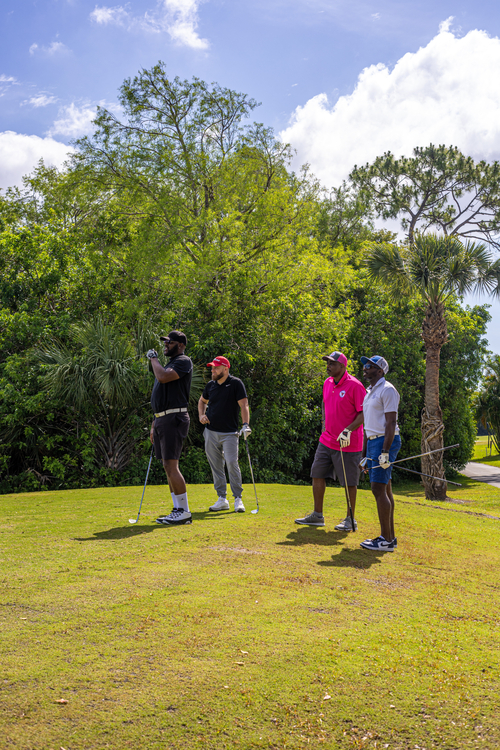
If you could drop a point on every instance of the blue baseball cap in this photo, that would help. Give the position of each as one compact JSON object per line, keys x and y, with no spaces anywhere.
{"x":377,"y":361}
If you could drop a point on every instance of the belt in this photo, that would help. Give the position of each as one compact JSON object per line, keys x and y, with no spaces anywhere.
{"x":171,"y":411}
{"x":372,"y":437}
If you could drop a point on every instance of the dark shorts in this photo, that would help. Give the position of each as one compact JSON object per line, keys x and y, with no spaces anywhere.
{"x":327,"y":464}
{"x":373,"y":451}
{"x":169,"y":434}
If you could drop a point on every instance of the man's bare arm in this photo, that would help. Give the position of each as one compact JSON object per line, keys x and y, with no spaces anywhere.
{"x":245,"y":411}
{"x":161,"y":374}
{"x":202,"y":408}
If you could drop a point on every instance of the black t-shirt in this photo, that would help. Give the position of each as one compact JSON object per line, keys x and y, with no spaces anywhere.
{"x":223,"y":409}
{"x":174,"y":394}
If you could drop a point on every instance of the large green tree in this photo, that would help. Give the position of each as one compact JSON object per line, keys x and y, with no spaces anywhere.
{"x":438,"y":189}
{"x":436,"y":269}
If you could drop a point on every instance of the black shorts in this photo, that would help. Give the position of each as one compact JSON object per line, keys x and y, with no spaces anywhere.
{"x":169,"y":434}
{"x":327,"y":464}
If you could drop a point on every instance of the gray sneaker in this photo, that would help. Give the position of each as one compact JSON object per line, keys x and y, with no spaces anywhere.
{"x":346,"y":525}
{"x":313,"y":519}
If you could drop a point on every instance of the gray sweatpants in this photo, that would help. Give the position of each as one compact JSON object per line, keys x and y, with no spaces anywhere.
{"x":222,"y":448}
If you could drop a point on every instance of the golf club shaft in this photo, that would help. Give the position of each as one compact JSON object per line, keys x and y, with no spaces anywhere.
{"x":425,"y":454}
{"x":347,"y":491}
{"x":251,"y":472}
{"x":439,"y":479}
{"x":145,"y":483}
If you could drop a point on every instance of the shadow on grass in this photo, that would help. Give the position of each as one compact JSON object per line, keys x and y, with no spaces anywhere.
{"x":317,"y":536}
{"x":353,"y":558}
{"x":128,"y":531}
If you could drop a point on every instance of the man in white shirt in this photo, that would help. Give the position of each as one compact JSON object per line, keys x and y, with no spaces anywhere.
{"x":382,"y":444}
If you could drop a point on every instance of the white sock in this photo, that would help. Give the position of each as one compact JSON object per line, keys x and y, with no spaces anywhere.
{"x":182,"y":501}
{"x":174,"y":499}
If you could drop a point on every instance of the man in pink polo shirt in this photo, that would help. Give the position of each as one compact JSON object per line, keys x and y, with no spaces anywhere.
{"x":342,"y":411}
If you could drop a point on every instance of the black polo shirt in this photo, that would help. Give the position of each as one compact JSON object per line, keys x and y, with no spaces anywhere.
{"x":223,"y":409}
{"x":174,"y":394}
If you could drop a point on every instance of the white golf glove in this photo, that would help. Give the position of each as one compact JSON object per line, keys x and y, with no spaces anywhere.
{"x":383,"y":461}
{"x":344,"y":438}
{"x":152,"y":354}
{"x":245,"y":431}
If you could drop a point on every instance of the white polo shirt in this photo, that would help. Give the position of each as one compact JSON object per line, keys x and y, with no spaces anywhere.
{"x":380,"y":399}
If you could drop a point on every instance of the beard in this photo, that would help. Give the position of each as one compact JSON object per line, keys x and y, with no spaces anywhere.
{"x":218,"y":376}
{"x":173,"y":351}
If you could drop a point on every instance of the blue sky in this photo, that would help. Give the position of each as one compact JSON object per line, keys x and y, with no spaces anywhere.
{"x":342,"y":81}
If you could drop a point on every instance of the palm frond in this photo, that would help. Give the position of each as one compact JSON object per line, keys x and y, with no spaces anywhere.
{"x":386,"y":264}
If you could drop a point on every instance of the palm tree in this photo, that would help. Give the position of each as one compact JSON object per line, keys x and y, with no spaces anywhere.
{"x":104,"y":380}
{"x":435,"y":268}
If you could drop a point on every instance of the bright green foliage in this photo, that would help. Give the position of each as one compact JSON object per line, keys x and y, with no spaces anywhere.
{"x":437,"y":188}
{"x":488,"y":401}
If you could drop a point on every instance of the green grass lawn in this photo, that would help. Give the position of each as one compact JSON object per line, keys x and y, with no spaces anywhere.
{"x":245,"y":631}
{"x":483,"y":454}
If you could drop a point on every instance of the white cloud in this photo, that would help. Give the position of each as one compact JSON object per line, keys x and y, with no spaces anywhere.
{"x":117,"y":16}
{"x":19,"y":154}
{"x":55,"y":48}
{"x":74,"y":121}
{"x":41,"y":100}
{"x":7,"y":79}
{"x":179,"y":18}
{"x":447,"y":92}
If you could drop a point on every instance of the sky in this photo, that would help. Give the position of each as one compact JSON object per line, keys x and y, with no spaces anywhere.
{"x":341,"y":80}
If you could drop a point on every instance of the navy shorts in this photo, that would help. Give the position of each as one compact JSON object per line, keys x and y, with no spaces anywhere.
{"x":169,"y":434}
{"x":373,"y":451}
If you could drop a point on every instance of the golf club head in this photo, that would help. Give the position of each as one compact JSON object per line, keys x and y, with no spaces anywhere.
{"x":132,"y":520}
{"x":363,"y":462}
{"x":254,"y":511}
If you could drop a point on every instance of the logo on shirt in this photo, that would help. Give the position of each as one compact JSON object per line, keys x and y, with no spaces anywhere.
{"x":342,"y":394}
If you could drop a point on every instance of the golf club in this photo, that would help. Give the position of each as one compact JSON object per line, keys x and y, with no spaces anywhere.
{"x":134,"y":520}
{"x":425,"y":454}
{"x":353,"y":529}
{"x":364,"y":461}
{"x":253,"y":480}
{"x":428,"y":476}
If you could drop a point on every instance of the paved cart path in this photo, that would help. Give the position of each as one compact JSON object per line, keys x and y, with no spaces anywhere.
{"x":483,"y":473}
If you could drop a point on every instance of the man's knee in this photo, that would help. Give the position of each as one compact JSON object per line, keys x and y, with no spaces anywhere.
{"x":170,"y":465}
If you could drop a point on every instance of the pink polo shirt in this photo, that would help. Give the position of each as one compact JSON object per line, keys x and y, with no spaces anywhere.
{"x":343,"y":401}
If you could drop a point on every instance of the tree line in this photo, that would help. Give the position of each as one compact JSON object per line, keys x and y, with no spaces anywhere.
{"x":179,"y":214}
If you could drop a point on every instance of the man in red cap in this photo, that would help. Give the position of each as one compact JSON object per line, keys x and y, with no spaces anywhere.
{"x":226,"y":398}
{"x":342,"y":411}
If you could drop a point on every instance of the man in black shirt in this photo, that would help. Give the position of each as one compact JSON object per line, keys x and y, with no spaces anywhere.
{"x":226,"y":398}
{"x":169,"y":402}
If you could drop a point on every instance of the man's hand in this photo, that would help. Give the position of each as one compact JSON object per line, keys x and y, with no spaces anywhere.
{"x":245,"y":431}
{"x":383,"y":461}
{"x":204,"y":419}
{"x":344,"y":438}
{"x":152,"y":354}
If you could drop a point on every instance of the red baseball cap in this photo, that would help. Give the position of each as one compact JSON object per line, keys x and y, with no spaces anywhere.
{"x":219,"y":361}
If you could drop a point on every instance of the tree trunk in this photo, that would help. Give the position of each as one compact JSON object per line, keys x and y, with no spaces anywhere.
{"x":434,"y":334}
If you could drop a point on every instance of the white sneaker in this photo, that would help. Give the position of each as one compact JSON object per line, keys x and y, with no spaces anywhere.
{"x":238,"y":505}
{"x":221,"y":504}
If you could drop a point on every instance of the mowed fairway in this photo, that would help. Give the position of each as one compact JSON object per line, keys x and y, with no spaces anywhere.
{"x":247,"y":631}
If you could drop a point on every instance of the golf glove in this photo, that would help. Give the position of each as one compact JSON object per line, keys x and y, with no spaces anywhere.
{"x":383,"y":461}
{"x":152,"y":354}
{"x":245,"y":431}
{"x":344,"y":438}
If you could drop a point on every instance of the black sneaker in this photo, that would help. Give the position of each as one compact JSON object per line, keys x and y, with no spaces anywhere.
{"x":176,"y":518}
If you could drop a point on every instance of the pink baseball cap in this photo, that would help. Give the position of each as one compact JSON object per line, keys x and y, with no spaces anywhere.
{"x":336,"y":357}
{"x":219,"y":361}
